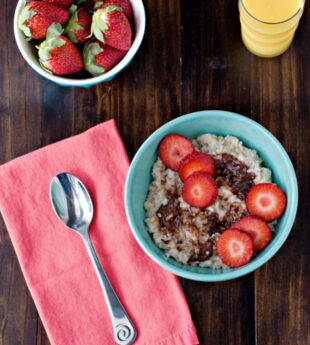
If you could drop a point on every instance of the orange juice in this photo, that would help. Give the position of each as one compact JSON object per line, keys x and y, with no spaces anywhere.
{"x":268,"y":26}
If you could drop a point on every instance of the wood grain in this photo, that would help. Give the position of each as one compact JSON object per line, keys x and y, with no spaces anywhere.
{"x":192,"y":58}
{"x":282,"y":285}
{"x":211,"y":79}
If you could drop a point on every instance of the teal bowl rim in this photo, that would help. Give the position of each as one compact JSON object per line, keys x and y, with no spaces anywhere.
{"x":236,"y":273}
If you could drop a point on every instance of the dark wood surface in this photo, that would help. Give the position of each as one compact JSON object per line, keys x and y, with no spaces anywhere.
{"x":192,"y":58}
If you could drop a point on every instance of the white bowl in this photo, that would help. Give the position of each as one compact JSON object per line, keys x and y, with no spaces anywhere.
{"x":29,"y":55}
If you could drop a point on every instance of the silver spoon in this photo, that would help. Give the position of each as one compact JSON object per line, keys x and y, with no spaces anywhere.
{"x":73,"y":206}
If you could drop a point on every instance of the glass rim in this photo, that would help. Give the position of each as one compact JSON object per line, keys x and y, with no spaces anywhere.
{"x":302,"y":2}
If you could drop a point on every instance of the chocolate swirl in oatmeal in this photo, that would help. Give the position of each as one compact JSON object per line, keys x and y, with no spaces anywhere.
{"x":203,"y":224}
{"x":171,"y":216}
{"x":235,"y":174}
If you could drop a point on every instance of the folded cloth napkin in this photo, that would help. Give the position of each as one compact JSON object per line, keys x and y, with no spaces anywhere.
{"x":54,"y":260}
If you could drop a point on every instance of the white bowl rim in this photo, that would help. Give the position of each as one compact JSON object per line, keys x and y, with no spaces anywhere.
{"x":92,"y":80}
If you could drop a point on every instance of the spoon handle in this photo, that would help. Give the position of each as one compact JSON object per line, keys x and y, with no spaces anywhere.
{"x":124,"y":330}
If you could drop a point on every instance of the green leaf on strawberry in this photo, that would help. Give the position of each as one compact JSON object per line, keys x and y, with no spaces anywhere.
{"x":54,"y":30}
{"x":24,"y":16}
{"x":45,"y":69}
{"x":99,"y":25}
{"x":46,"y":46}
{"x":98,"y":4}
{"x":73,"y":8}
{"x":99,"y":57}
{"x":91,"y":50}
{"x":72,"y":24}
{"x":52,"y":41}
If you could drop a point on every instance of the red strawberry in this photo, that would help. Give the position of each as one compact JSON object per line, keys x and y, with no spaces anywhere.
{"x":173,"y":148}
{"x":267,"y":201}
{"x":78,"y":27}
{"x":111,"y":27}
{"x":62,"y":3}
{"x":58,"y":54}
{"x":199,"y":190}
{"x":123,"y":4}
{"x":196,"y":161}
{"x":36,"y":17}
{"x":235,"y":248}
{"x":99,"y":57}
{"x":258,"y":229}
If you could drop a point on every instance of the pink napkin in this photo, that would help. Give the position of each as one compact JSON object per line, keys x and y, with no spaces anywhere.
{"x":54,"y":261}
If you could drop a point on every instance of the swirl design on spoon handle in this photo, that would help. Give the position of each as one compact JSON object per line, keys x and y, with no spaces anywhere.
{"x":123,"y":334}
{"x":124,"y":330}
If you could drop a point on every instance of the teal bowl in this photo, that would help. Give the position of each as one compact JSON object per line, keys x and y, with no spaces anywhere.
{"x":192,"y":125}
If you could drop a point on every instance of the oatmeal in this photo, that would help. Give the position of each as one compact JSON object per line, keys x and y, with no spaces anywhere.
{"x":190,"y":234}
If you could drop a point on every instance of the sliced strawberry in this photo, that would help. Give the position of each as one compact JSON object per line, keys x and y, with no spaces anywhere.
{"x":235,"y":248}
{"x":196,"y":161}
{"x":258,"y":229}
{"x":110,"y":26}
{"x":37,"y":16}
{"x":173,"y":148}
{"x":267,"y":201}
{"x":199,"y":190}
{"x":100,"y":58}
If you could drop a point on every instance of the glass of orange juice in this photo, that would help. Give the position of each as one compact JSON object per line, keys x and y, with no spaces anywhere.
{"x":268,"y":26}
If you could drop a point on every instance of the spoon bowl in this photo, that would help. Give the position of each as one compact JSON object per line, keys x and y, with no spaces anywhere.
{"x":71,"y":202}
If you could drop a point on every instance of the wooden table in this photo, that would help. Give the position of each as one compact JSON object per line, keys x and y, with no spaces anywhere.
{"x":192,"y":58}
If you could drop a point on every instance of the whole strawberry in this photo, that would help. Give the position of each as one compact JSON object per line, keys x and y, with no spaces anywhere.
{"x":36,"y":17}
{"x":58,"y":55}
{"x":123,"y":4}
{"x":111,"y":27}
{"x":99,"y":57}
{"x":78,"y":27}
{"x":62,"y":3}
